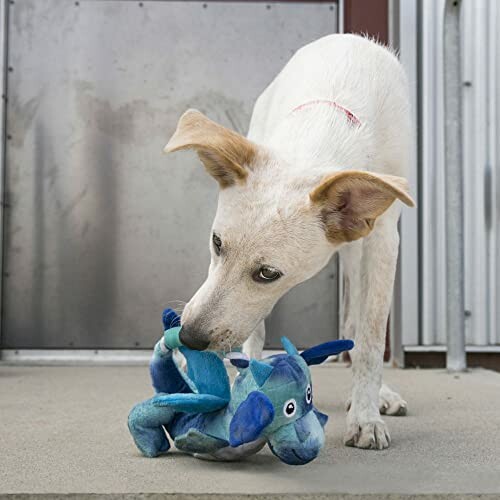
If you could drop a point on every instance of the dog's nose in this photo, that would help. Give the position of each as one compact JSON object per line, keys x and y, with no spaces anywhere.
{"x":193,"y":338}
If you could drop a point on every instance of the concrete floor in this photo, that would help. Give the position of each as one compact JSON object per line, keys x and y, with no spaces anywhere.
{"x":63,"y":431}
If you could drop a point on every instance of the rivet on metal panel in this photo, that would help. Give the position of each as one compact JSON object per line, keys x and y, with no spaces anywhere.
{"x":331,"y":7}
{"x":12,"y":2}
{"x":467,"y":313}
{"x":77,"y":4}
{"x":141,"y":4}
{"x":11,"y":69}
{"x":205,"y":5}
{"x":9,"y":137}
{"x":467,"y":84}
{"x":137,"y":343}
{"x":268,"y":7}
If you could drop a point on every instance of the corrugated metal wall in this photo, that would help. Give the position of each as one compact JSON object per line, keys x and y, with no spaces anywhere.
{"x":481,"y":149}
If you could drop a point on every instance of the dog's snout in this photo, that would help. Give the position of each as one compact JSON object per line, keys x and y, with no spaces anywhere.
{"x":193,"y":338}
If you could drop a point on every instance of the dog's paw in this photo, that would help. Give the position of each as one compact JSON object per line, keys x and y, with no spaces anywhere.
{"x":367,"y":435}
{"x":391,"y":403}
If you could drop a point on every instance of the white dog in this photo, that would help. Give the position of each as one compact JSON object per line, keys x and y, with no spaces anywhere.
{"x":319,"y":173}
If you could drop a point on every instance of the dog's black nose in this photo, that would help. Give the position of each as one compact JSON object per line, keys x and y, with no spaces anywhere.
{"x":192,"y":338}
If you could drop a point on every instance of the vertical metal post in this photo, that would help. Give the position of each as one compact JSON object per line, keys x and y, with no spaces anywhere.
{"x":456,"y":358}
{"x":3,"y":101}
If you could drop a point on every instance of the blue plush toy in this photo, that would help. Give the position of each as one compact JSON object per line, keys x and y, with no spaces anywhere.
{"x":269,"y":402}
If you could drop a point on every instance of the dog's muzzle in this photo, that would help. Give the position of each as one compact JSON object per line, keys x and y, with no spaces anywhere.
{"x":193,"y":338}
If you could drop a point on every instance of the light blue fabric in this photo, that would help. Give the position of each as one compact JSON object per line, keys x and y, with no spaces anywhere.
{"x":270,"y":401}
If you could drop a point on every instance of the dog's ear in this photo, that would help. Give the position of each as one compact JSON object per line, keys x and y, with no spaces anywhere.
{"x":224,"y":153}
{"x":350,"y":201}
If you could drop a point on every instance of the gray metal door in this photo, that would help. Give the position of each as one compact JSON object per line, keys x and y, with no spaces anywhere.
{"x":101,"y":230}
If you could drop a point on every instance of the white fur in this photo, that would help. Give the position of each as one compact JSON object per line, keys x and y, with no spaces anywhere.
{"x":269,"y":219}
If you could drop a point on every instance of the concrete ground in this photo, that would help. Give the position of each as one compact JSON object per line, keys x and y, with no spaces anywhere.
{"x":63,"y":431}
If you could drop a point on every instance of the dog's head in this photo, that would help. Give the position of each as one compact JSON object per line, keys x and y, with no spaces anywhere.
{"x":276,"y":226}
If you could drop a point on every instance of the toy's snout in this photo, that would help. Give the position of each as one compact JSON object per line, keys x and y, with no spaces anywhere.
{"x":299,"y":442}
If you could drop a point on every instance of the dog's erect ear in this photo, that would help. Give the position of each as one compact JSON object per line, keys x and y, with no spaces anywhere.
{"x":225,"y":153}
{"x":352,"y":200}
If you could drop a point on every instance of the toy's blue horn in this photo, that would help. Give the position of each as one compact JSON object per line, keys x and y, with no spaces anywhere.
{"x":317,"y":354}
{"x":260,"y":371}
{"x":288,"y":346}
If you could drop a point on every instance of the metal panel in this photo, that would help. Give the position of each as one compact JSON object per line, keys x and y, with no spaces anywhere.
{"x":102,"y":231}
{"x":480,"y":51}
{"x":406,"y":312}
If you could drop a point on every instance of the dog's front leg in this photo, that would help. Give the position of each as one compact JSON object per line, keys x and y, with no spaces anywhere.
{"x":254,"y":345}
{"x":365,"y":428}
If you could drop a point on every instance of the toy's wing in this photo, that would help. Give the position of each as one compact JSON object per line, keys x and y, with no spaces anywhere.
{"x":195,"y":441}
{"x":208,"y":373}
{"x":191,"y":403}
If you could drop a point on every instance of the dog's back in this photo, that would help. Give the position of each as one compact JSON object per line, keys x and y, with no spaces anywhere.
{"x":358,"y":74}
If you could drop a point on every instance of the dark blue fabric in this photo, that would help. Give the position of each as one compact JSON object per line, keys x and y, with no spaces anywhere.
{"x":319,"y":353}
{"x":170,"y":319}
{"x":165,"y":375}
{"x":250,"y":419}
{"x":240,"y":362}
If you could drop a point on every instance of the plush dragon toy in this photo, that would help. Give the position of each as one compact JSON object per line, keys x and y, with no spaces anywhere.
{"x":270,"y":401}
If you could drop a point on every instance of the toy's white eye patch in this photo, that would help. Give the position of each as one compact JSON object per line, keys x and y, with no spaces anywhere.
{"x":289,"y":408}
{"x":309,"y":394}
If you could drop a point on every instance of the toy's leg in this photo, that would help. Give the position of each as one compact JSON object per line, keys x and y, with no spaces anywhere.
{"x":254,"y":345}
{"x":145,"y":423}
{"x":374,"y":275}
{"x":165,"y":375}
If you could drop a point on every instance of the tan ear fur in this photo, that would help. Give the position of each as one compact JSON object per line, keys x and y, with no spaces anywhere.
{"x":352,"y":200}
{"x":224,"y":153}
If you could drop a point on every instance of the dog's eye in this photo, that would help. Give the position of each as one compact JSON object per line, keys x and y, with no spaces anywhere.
{"x":217,"y":243}
{"x":309,"y":394}
{"x":266,"y":274}
{"x":289,"y":408}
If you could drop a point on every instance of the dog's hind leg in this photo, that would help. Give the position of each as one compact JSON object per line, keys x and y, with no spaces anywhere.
{"x":254,"y":345}
{"x":375,"y":278}
{"x":391,"y":403}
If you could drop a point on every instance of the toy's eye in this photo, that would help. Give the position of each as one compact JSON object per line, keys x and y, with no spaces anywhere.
{"x":309,"y":394}
{"x":289,"y":408}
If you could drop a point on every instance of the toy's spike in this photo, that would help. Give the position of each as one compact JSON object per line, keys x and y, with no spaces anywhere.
{"x":288,"y":346}
{"x":317,"y":354}
{"x":323,"y":419}
{"x":260,"y":371}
